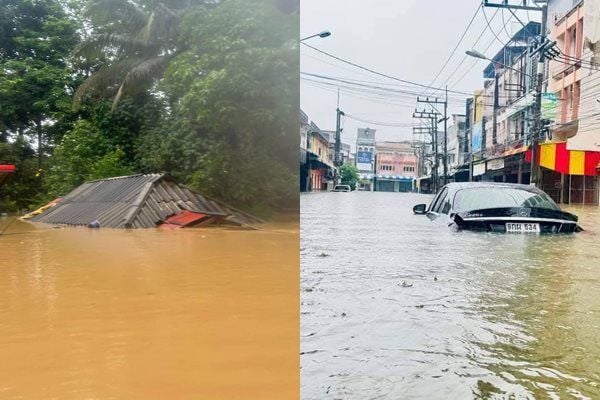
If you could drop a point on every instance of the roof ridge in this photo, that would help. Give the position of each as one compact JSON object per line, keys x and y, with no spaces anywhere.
{"x":114,"y":178}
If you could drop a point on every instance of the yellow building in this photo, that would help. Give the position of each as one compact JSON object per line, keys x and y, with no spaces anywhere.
{"x":478,"y":100}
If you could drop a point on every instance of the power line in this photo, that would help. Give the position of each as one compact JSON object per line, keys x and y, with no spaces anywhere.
{"x":466,"y":56}
{"x":490,"y":28}
{"x":376,"y":72}
{"x":455,"y":47}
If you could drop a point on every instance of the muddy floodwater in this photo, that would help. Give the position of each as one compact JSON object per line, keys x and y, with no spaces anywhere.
{"x":394,"y":306}
{"x":149,"y":314}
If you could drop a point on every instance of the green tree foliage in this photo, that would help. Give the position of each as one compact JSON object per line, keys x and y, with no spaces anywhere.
{"x":349,"y":175}
{"x":37,"y":38}
{"x":84,"y":153}
{"x":205,"y":90}
{"x":132,"y":43}
{"x":234,"y":92}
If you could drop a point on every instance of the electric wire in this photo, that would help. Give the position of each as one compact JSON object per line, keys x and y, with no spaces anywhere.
{"x":373,"y":71}
{"x":455,"y":47}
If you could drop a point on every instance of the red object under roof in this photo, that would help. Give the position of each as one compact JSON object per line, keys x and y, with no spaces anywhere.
{"x":184,"y":218}
{"x":7,"y":168}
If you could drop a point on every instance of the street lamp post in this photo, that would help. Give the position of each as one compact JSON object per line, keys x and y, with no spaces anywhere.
{"x":323,"y":34}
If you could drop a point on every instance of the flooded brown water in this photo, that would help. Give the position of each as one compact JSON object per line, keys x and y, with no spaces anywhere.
{"x":149,"y":314}
{"x":481,"y":316}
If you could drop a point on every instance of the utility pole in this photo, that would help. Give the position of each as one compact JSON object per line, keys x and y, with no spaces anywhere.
{"x":432,"y":116}
{"x":534,"y":177}
{"x":337,"y":160}
{"x":432,"y":103}
{"x":446,"y":138}
{"x":537,"y":128}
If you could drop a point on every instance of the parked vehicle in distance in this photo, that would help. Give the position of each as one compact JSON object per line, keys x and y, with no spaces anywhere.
{"x":342,"y":188}
{"x":498,"y":207}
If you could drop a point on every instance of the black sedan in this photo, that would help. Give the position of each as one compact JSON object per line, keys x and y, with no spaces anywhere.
{"x":498,"y":207}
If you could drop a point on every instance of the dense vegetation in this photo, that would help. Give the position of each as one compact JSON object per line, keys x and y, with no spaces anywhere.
{"x":349,"y":175}
{"x":204,"y":90}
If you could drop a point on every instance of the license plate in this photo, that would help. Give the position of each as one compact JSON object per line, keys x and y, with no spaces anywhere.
{"x":514,"y":227}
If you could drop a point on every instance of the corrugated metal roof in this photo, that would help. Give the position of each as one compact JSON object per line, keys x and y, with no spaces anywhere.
{"x":136,"y":201}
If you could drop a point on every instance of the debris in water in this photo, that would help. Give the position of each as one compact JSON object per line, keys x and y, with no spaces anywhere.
{"x":344,"y":314}
{"x":404,"y":284}
{"x":435,"y":278}
{"x":323,"y":255}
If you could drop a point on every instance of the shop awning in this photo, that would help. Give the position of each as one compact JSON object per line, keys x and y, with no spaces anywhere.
{"x":556,"y":157}
{"x":394,"y":177}
{"x":514,"y":151}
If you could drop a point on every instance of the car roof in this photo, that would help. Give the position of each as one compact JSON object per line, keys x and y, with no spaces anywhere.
{"x":455,"y":186}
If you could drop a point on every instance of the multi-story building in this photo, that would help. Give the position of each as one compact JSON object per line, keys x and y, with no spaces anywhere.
{"x":568,"y":155}
{"x":569,"y":159}
{"x":396,"y":167}
{"x":344,"y":148}
{"x":456,"y":140}
{"x":365,"y":157}
{"x":316,"y":169}
{"x":502,"y":115}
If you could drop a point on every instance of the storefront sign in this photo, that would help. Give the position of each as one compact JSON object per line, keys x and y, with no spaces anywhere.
{"x":497,"y":163}
{"x":478,"y":169}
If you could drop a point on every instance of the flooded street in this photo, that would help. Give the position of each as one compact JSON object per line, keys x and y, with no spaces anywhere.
{"x":394,"y":306}
{"x":149,"y":314}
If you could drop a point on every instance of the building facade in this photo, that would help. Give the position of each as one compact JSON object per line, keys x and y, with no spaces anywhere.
{"x":365,"y":158}
{"x":316,"y":168}
{"x":396,"y":167}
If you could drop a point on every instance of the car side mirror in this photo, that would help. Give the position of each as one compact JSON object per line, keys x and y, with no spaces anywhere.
{"x":420,"y":209}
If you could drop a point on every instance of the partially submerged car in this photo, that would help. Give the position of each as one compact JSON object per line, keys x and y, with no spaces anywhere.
{"x":498,"y":207}
{"x":342,"y":188}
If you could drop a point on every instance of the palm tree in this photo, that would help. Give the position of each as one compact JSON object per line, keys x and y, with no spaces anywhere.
{"x":131,"y":43}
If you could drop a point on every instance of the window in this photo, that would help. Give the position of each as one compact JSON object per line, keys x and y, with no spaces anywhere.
{"x":435,"y":205}
{"x":573,"y":44}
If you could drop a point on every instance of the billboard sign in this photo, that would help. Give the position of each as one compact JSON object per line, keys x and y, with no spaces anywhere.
{"x":476,"y":137}
{"x":364,"y":161}
{"x":549,"y":103}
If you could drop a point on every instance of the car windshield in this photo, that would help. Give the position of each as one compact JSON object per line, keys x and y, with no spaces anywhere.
{"x":481,"y":198}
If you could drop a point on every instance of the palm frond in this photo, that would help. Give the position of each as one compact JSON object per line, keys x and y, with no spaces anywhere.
{"x":104,"y":80}
{"x":142,"y":72}
{"x":161,"y":26}
{"x":109,"y":11}
{"x":97,"y":44}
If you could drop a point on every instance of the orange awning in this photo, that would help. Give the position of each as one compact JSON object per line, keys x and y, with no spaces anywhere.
{"x":556,"y":157}
{"x":517,"y":150}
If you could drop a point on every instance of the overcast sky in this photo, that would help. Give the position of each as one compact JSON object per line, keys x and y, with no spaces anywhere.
{"x":407,"y":39}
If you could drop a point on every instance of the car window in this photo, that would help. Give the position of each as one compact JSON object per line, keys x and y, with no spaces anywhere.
{"x":500,"y":197}
{"x":446,"y":205}
{"x":435,"y":201}
{"x":437,"y":206}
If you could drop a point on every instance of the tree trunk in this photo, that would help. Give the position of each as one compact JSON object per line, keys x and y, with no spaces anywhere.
{"x":40,"y":144}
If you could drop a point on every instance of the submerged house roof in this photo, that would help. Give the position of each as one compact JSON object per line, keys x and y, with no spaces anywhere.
{"x":136,"y":201}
